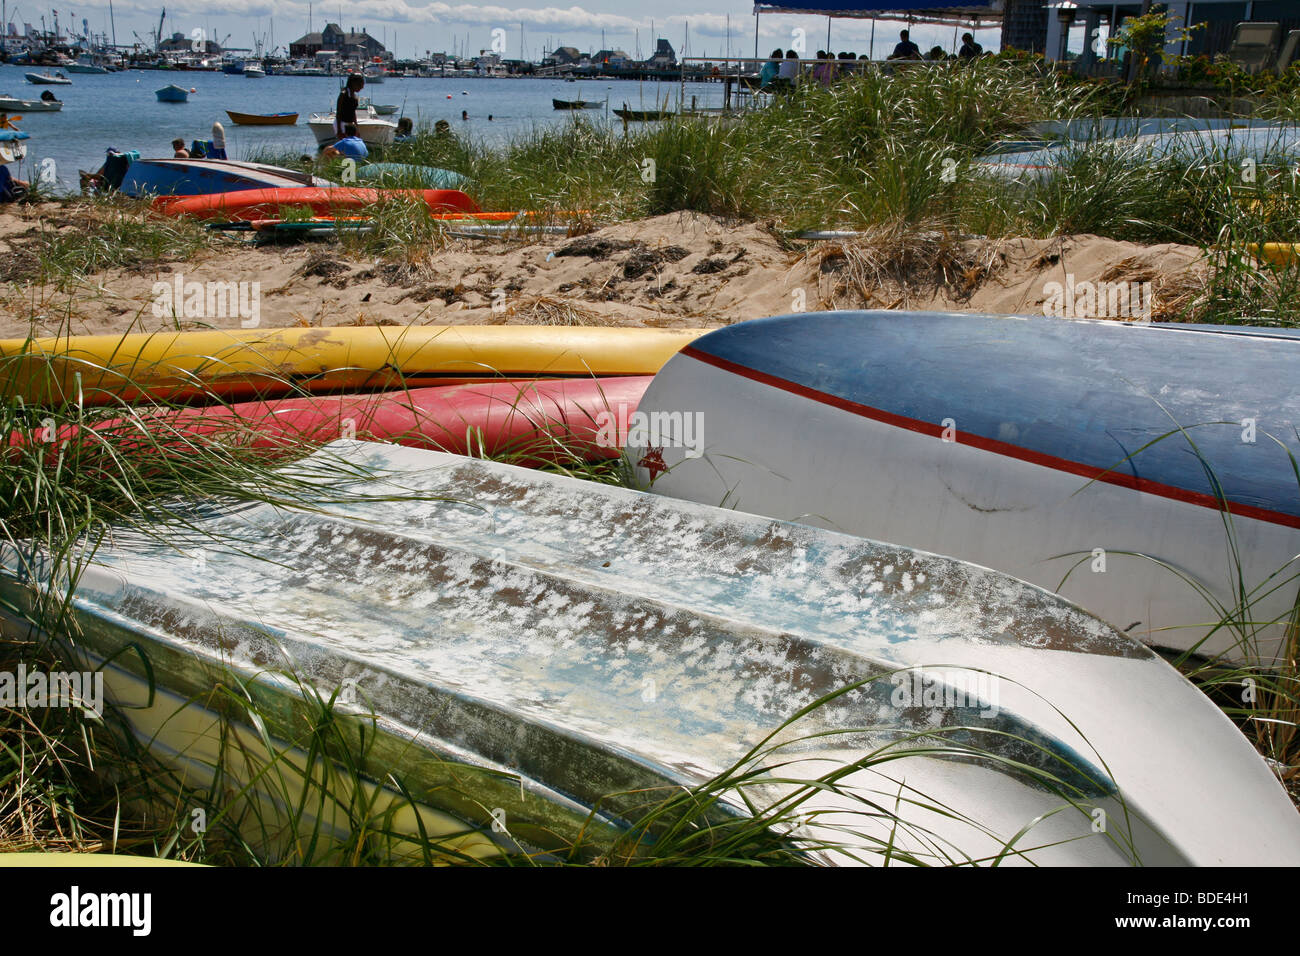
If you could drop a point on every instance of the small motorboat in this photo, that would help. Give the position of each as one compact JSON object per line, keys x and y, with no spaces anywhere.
{"x":262,"y":119}
{"x":373,"y":130}
{"x":254,"y":72}
{"x":89,"y":64}
{"x":46,"y":104}
{"x":574,"y":105}
{"x":48,"y":79}
{"x":172,"y":94}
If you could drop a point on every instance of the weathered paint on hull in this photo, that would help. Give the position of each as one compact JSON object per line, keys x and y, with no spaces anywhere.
{"x":524,"y":636}
{"x":841,"y":420}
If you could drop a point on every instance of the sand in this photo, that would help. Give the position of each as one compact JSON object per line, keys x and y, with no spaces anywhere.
{"x":673,"y":271}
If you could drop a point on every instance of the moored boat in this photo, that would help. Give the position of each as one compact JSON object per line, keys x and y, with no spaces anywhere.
{"x":48,"y":79}
{"x":372,"y":130}
{"x":262,"y":119}
{"x":641,"y":116}
{"x":172,"y":94}
{"x":47,"y":103}
{"x":527,"y":686}
{"x":574,"y":105}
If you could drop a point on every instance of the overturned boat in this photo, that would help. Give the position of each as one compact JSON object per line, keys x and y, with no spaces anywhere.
{"x":1145,"y":471}
{"x":535,"y":661}
{"x":201,"y":177}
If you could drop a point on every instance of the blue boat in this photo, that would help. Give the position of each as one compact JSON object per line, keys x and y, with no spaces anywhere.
{"x":172,"y":94}
{"x":1109,"y":461}
{"x":201,"y":177}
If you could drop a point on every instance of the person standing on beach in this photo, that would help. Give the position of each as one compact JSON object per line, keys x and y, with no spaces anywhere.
{"x":905,"y":49}
{"x":345,"y":108}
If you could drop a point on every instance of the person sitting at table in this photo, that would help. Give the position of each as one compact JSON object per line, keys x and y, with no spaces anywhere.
{"x":770,"y":71}
{"x":789,"y":72}
{"x":969,"y":48}
{"x":905,"y":48}
{"x":824,"y":72}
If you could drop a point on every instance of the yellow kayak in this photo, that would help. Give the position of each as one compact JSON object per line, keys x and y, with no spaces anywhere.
{"x":1276,"y":253}
{"x":241,"y":363}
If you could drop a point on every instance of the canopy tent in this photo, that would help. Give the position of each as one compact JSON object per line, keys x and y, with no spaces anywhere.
{"x":943,"y":12}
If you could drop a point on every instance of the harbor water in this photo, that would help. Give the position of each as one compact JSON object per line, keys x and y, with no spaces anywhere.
{"x":120,"y":110}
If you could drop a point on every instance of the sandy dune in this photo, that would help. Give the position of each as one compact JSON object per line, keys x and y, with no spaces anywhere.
{"x":671,"y":271}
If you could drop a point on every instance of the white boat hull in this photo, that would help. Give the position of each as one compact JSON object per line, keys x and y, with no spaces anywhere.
{"x":372,"y":130}
{"x":783,"y":452}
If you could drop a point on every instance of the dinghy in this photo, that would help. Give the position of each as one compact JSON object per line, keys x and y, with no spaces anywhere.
{"x":534,"y":660}
{"x":1030,"y":445}
{"x":202,"y":178}
{"x":172,"y":94}
{"x":238,"y":363}
{"x":262,"y":119}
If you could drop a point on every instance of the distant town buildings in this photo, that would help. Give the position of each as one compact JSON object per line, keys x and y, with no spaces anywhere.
{"x":333,"y":39}
{"x":180,"y":43}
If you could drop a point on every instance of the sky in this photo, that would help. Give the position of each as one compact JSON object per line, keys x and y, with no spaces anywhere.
{"x":410,"y":27}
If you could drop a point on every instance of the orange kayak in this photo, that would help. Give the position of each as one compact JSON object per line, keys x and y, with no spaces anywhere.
{"x":249,"y":204}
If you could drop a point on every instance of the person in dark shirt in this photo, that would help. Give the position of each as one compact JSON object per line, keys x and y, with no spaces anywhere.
{"x":969,"y":48}
{"x":345,"y":109}
{"x":905,"y":49}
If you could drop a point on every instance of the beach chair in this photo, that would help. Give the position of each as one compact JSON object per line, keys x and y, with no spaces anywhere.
{"x":1254,"y":45}
{"x":1290,"y":48}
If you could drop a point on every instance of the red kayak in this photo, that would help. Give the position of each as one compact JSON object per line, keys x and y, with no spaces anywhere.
{"x":250,"y":204}
{"x":536,"y":421}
